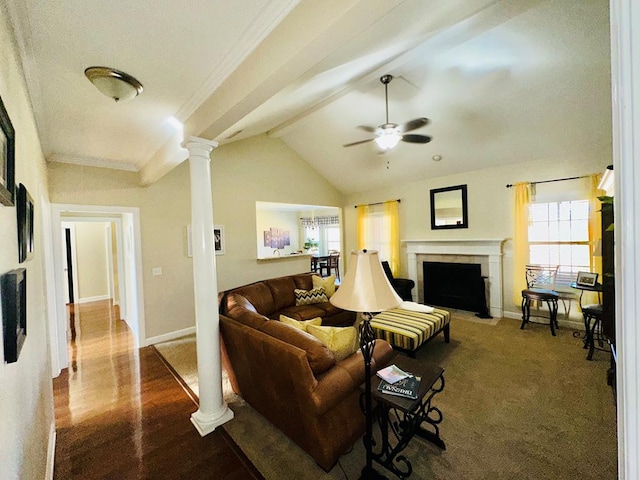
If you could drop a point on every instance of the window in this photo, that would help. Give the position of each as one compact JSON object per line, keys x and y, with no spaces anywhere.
{"x":323,"y":239}
{"x":377,"y":235}
{"x":559,"y":235}
{"x":332,"y":235}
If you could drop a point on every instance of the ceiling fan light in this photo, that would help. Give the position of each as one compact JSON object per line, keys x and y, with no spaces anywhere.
{"x":387,"y":141}
{"x":114,"y":83}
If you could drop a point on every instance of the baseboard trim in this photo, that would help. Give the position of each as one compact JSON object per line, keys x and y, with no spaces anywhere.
{"x":165,"y":337}
{"x":51,"y":451}
{"x":97,"y":298}
{"x":575,"y":325}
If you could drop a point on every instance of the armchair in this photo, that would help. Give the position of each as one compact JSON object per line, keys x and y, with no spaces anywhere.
{"x":402,"y":286}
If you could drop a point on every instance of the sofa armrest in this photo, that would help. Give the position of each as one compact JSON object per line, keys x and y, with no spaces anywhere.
{"x":346,"y":377}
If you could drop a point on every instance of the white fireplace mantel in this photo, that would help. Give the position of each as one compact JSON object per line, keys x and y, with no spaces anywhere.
{"x":490,"y":248}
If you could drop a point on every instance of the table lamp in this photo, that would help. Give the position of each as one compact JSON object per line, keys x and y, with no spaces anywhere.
{"x":366,"y":289}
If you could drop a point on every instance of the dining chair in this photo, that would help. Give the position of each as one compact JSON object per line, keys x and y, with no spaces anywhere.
{"x":540,"y":284}
{"x":333,"y":263}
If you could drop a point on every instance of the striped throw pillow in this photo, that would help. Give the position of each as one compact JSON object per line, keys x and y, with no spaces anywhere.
{"x":309,"y":297}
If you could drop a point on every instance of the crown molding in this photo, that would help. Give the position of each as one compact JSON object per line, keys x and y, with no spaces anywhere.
{"x":93,"y":162}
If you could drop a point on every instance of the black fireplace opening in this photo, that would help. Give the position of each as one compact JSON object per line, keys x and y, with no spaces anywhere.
{"x":455,"y":285}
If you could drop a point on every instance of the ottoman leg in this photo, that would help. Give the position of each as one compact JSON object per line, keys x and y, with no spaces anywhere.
{"x":446,"y":332}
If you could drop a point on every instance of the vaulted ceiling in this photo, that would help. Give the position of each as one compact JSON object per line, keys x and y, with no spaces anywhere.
{"x":501,"y":81}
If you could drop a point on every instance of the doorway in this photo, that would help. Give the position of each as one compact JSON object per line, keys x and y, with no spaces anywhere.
{"x":112,"y":267}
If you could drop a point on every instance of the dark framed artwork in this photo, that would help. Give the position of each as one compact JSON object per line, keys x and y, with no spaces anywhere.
{"x":25,"y":224}
{"x":7,"y":158}
{"x":587,"y":279}
{"x":219,"y":240}
{"x":13,"y":288}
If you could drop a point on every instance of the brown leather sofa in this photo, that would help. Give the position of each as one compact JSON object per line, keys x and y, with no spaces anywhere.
{"x":293,"y":380}
{"x":275,"y":297}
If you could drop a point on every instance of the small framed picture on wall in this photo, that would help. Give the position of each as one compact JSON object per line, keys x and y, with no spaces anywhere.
{"x":7,"y":158}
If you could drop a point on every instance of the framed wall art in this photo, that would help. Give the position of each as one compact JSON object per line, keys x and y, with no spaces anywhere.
{"x":13,"y":288}
{"x":25,"y":224}
{"x":218,"y":238}
{"x":7,"y":158}
{"x":587,"y":279}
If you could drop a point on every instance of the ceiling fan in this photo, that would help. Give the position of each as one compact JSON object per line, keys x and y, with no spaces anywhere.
{"x":389,"y":134}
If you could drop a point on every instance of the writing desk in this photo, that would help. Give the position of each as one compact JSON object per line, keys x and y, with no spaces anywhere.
{"x":586,"y":288}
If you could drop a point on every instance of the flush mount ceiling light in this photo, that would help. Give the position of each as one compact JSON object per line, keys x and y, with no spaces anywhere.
{"x":114,"y":83}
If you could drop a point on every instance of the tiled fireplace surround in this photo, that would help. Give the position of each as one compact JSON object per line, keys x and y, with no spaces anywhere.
{"x":487,"y":253}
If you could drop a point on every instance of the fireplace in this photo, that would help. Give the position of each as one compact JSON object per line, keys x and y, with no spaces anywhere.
{"x":455,"y":285}
{"x":488,"y":253}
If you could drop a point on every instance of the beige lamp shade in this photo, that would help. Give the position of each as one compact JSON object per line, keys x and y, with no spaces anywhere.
{"x":365,"y":287}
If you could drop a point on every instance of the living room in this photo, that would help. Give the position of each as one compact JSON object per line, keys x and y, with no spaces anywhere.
{"x":258,"y":168}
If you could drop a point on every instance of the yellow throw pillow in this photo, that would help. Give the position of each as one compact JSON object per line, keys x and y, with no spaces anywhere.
{"x":329,"y":284}
{"x":300,"y":325}
{"x":342,"y":341}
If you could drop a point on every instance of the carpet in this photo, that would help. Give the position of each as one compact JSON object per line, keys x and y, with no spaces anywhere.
{"x":517,"y":404}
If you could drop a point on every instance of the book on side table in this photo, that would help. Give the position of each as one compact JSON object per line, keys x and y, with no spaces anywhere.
{"x":397,"y":382}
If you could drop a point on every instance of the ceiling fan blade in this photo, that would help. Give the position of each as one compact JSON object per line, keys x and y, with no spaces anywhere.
{"x":366,"y":128}
{"x":413,"y":138}
{"x":413,"y":125}
{"x":358,"y":143}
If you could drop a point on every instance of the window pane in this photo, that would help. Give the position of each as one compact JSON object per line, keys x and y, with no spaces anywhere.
{"x":539,"y":212}
{"x":580,"y":230}
{"x":538,"y":232}
{"x":580,"y":210}
{"x":564,"y":231}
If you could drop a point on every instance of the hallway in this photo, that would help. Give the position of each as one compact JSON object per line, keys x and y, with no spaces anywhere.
{"x":120,"y":413}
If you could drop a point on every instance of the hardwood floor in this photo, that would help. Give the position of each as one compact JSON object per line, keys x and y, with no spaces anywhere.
{"x":121,"y":414}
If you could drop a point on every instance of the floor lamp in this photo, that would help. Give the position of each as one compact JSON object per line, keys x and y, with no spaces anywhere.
{"x":366,"y":289}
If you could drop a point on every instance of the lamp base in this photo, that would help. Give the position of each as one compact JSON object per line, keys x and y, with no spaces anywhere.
{"x":369,"y":473}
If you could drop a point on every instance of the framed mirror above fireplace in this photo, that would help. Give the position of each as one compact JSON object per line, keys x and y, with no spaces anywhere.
{"x":449,"y":208}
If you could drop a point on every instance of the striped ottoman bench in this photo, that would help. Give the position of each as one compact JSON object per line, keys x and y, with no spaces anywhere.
{"x":408,"y":330}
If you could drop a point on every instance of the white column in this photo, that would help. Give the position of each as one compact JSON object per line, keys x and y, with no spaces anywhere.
{"x":212,"y":411}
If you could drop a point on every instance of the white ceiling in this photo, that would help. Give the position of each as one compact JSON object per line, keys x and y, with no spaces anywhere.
{"x":502,"y":81}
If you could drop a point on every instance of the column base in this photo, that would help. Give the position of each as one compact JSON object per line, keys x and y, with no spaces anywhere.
{"x":207,"y":423}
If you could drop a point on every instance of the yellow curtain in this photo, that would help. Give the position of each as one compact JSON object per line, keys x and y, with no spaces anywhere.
{"x":362,"y":211}
{"x":595,"y":234}
{"x":520,"y":239}
{"x":390,"y":213}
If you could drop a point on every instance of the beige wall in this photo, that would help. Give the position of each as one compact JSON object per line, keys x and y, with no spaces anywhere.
{"x":26,"y":400}
{"x":91,"y":256}
{"x":257,"y":169}
{"x":490,"y":205}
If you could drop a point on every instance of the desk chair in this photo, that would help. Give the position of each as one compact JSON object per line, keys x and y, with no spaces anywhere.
{"x":593,"y":326}
{"x":540,"y":282}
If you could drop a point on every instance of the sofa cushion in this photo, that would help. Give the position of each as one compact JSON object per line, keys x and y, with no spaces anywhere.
{"x":259,"y":295}
{"x":320,"y":357}
{"x":329,"y":284}
{"x":328,"y":308}
{"x":282,"y":291}
{"x":303,"y":312}
{"x":303,"y":281}
{"x":342,"y":341}
{"x":302,"y":325}
{"x":309,"y":297}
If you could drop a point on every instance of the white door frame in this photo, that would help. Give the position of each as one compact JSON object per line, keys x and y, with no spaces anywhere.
{"x":134,"y":313}
{"x":69,"y":222}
